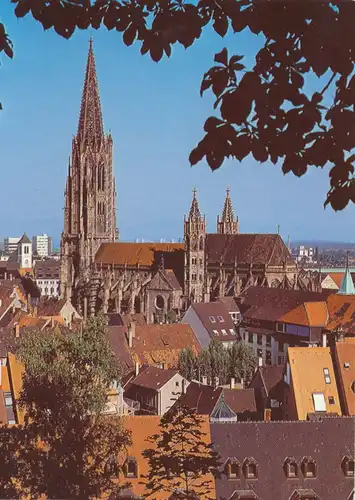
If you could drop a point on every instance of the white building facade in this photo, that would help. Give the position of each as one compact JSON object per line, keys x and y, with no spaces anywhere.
{"x":11,"y":244}
{"x":42,"y":245}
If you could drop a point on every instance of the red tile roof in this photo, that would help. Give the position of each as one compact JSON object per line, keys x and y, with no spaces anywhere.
{"x":345,"y":358}
{"x":215,"y":317}
{"x":152,"y":377}
{"x":132,"y":254}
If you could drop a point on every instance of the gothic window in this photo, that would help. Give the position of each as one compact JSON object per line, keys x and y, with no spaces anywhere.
{"x":201,"y":243}
{"x":159,"y":302}
{"x":348,"y":466}
{"x":200,"y":278}
{"x":309,"y":467}
{"x":193,"y":277}
{"x":194,"y":244}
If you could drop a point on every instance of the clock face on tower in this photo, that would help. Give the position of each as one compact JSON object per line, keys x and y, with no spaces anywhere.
{"x":26,"y":262}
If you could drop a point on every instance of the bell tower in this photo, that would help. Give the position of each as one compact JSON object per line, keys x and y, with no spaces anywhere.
{"x":90,"y":195}
{"x":195,"y":238}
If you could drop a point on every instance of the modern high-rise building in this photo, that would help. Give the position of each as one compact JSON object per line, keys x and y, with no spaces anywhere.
{"x":11,"y":244}
{"x":42,"y":245}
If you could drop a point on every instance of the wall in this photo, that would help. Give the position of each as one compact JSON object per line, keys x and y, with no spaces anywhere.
{"x":199,"y":330}
{"x":170,"y":392}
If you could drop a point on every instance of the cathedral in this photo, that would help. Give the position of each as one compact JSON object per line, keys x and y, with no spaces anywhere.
{"x":157,"y":279}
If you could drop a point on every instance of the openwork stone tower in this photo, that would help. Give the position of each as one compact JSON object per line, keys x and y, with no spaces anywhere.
{"x":90,"y":196}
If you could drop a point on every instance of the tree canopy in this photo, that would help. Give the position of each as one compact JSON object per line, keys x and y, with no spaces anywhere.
{"x":182,"y":459}
{"x":238,"y":362}
{"x":67,"y":445}
{"x":264,"y":109}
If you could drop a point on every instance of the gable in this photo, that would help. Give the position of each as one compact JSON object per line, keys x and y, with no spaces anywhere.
{"x":159,"y":282}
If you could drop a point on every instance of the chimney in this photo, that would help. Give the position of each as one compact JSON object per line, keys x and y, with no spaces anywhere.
{"x":17,"y":330}
{"x":183,"y":383}
{"x":324,"y":340}
{"x":216,"y":381}
{"x":232,"y":383}
{"x":242,"y":383}
{"x":260,"y":361}
{"x":136,"y":368}
{"x":267,"y":414}
{"x":130,"y":338}
{"x":132,"y":327}
{"x":204,"y":380}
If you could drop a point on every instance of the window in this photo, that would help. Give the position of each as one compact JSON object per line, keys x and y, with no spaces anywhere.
{"x":250,"y":338}
{"x":268,"y":340}
{"x":177,"y":383}
{"x":215,"y":332}
{"x":231,"y":331}
{"x":259,"y":339}
{"x":201,"y":262}
{"x":281,"y":327}
{"x":220,"y":319}
{"x":268,"y":357}
{"x":259,"y":353}
{"x":200,"y":278}
{"x":331,"y":400}
{"x":319,"y":402}
{"x":348,"y":466}
{"x":224,"y":332}
{"x":233,"y":469}
{"x":290,"y":468}
{"x":309,"y":468}
{"x":194,"y":277}
{"x":193,"y":261}
{"x":326,"y":375}
{"x":131,"y":467}
{"x":347,"y":365}
{"x":212,"y":319}
{"x":8,"y":399}
{"x":250,"y":468}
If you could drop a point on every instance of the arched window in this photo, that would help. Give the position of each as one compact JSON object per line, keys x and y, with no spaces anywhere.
{"x":131,"y":467}
{"x":201,"y":245}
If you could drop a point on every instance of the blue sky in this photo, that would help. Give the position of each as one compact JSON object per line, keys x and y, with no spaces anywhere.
{"x":156,"y":117}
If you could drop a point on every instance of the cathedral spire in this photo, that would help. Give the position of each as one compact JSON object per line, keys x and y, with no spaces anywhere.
{"x":195,"y":209}
{"x":90,"y":129}
{"x":227,"y":224}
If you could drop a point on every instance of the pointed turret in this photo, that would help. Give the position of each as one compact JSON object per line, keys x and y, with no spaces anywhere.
{"x":195,"y":209}
{"x":227,"y":224}
{"x":347,"y":285}
{"x":90,"y":129}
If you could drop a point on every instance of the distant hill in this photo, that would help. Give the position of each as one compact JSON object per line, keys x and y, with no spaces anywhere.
{"x":321,"y":244}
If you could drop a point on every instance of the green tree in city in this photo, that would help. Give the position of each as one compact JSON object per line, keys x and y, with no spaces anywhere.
{"x":242,"y":362}
{"x":291,"y":101}
{"x":182,"y":459}
{"x":187,"y":363}
{"x":65,"y":390}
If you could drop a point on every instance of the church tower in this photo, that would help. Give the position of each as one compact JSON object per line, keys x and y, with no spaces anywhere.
{"x":226,"y":224}
{"x":195,"y":236}
{"x":90,"y":196}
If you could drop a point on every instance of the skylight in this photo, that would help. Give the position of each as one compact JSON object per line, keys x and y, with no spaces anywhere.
{"x":326,"y":375}
{"x":212,"y":319}
{"x":319,"y":402}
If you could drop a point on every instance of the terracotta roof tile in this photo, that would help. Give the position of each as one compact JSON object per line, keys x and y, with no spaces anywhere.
{"x":142,"y":427}
{"x":201,"y":397}
{"x":152,"y":377}
{"x":221,"y":322}
{"x":240,"y":400}
{"x":273,"y":380}
{"x":307,"y":314}
{"x":307,"y":366}
{"x":341,"y":310}
{"x":144,"y":254}
{"x":345,"y":358}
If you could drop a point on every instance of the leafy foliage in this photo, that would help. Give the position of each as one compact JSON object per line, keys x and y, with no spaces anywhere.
{"x":264,"y":109}
{"x":181,"y":459}
{"x":67,"y":444}
{"x":238,"y":362}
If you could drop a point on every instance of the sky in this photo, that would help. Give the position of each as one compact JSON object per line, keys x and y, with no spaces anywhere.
{"x":156,"y":116}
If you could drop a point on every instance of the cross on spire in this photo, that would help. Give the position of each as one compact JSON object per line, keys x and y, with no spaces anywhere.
{"x":195,"y":209}
{"x":90,"y":129}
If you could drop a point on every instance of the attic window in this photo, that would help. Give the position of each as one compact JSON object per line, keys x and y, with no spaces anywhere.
{"x":212,"y":319}
{"x":348,"y":466}
{"x":326,"y":375}
{"x":231,"y":331}
{"x":224,"y":332}
{"x":215,"y":332}
{"x":233,"y":469}
{"x":319,"y":402}
{"x":220,"y":319}
{"x":250,"y":467}
{"x":309,"y":467}
{"x":291,"y":468}
{"x":131,"y":467}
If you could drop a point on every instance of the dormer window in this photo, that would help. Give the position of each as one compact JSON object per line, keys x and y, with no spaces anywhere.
{"x":250,"y":467}
{"x":220,"y":319}
{"x":233,"y":468}
{"x":131,"y":467}
{"x":291,"y":468}
{"x":348,"y":466}
{"x":309,"y":467}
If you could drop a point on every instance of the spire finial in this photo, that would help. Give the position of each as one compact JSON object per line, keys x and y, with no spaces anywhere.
{"x":347,"y":259}
{"x":194,"y":210}
{"x":161,"y":263}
